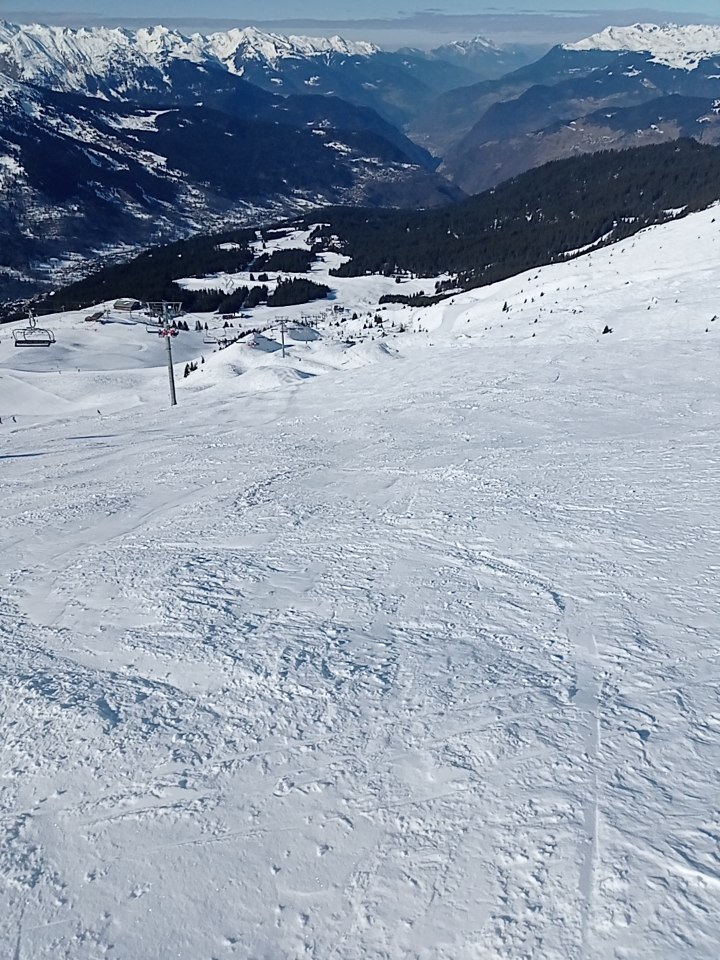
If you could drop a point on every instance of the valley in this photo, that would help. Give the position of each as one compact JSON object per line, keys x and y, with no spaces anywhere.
{"x":156,"y":135}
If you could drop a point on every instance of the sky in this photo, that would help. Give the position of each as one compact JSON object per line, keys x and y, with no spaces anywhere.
{"x":334,"y":9}
{"x":337,"y":9}
{"x":526,"y":21}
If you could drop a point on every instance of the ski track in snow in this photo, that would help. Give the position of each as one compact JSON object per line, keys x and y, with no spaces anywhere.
{"x":415,"y":659}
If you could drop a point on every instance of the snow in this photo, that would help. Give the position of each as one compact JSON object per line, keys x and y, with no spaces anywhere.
{"x":66,"y":59}
{"x":468,"y":48}
{"x":250,"y":43}
{"x":12,"y":167}
{"x":682,"y":47}
{"x":144,"y":120}
{"x":63,"y":58}
{"x":401,"y":649}
{"x":336,"y":145}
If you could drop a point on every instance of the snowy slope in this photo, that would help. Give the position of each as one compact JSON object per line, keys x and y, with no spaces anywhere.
{"x":414,"y":659}
{"x":253,"y":44}
{"x":67,"y":59}
{"x":670,"y":44}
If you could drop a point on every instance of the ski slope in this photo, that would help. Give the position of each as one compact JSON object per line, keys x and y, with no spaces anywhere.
{"x":405,"y":647}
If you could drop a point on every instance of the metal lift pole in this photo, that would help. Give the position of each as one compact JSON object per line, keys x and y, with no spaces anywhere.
{"x":168,"y":345}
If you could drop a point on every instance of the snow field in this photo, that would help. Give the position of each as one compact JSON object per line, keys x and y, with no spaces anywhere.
{"x":414,"y":658}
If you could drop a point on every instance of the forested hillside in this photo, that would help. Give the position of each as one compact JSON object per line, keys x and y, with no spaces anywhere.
{"x":538,"y":217}
{"x":544,"y":215}
{"x":152,"y":276}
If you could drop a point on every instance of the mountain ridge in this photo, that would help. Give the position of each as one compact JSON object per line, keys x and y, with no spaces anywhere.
{"x":671,"y":44}
{"x":118,"y":63}
{"x":493,"y":129}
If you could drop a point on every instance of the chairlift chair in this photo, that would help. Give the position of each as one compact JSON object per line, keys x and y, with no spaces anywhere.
{"x":160,"y":330}
{"x":33,"y":336}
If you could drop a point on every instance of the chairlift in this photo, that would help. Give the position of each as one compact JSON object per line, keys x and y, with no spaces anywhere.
{"x":32,"y":335}
{"x":161,"y":330}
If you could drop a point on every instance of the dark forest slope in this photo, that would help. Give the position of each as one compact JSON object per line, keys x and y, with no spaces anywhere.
{"x":544,"y":215}
{"x":538,"y":217}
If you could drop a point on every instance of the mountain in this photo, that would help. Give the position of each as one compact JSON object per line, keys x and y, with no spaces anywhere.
{"x":124,"y":175}
{"x":683,"y":47}
{"x":119,"y":62}
{"x":393,"y":84}
{"x":480,"y":164}
{"x":447,"y":118}
{"x":515,"y":119}
{"x":486,"y":59}
{"x":546,"y":214}
{"x":153,"y":135}
{"x":161,"y":65}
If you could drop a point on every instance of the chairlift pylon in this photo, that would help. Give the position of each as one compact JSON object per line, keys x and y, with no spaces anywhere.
{"x":32,"y":335}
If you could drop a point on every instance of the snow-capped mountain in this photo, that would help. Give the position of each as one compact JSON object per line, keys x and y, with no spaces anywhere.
{"x":246,"y":44}
{"x":65,"y":57}
{"x":486,"y":58}
{"x":142,"y":64}
{"x":673,"y":45}
{"x":559,"y":105}
{"x":103,"y":62}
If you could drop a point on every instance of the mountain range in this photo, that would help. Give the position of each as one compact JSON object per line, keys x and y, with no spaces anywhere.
{"x":112,"y":139}
{"x":142,"y":65}
{"x":578,"y":98}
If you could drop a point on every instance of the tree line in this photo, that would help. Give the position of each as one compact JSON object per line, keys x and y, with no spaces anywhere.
{"x":541,"y":216}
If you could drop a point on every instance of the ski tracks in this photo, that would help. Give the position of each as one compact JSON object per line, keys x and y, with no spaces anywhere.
{"x":588,"y":699}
